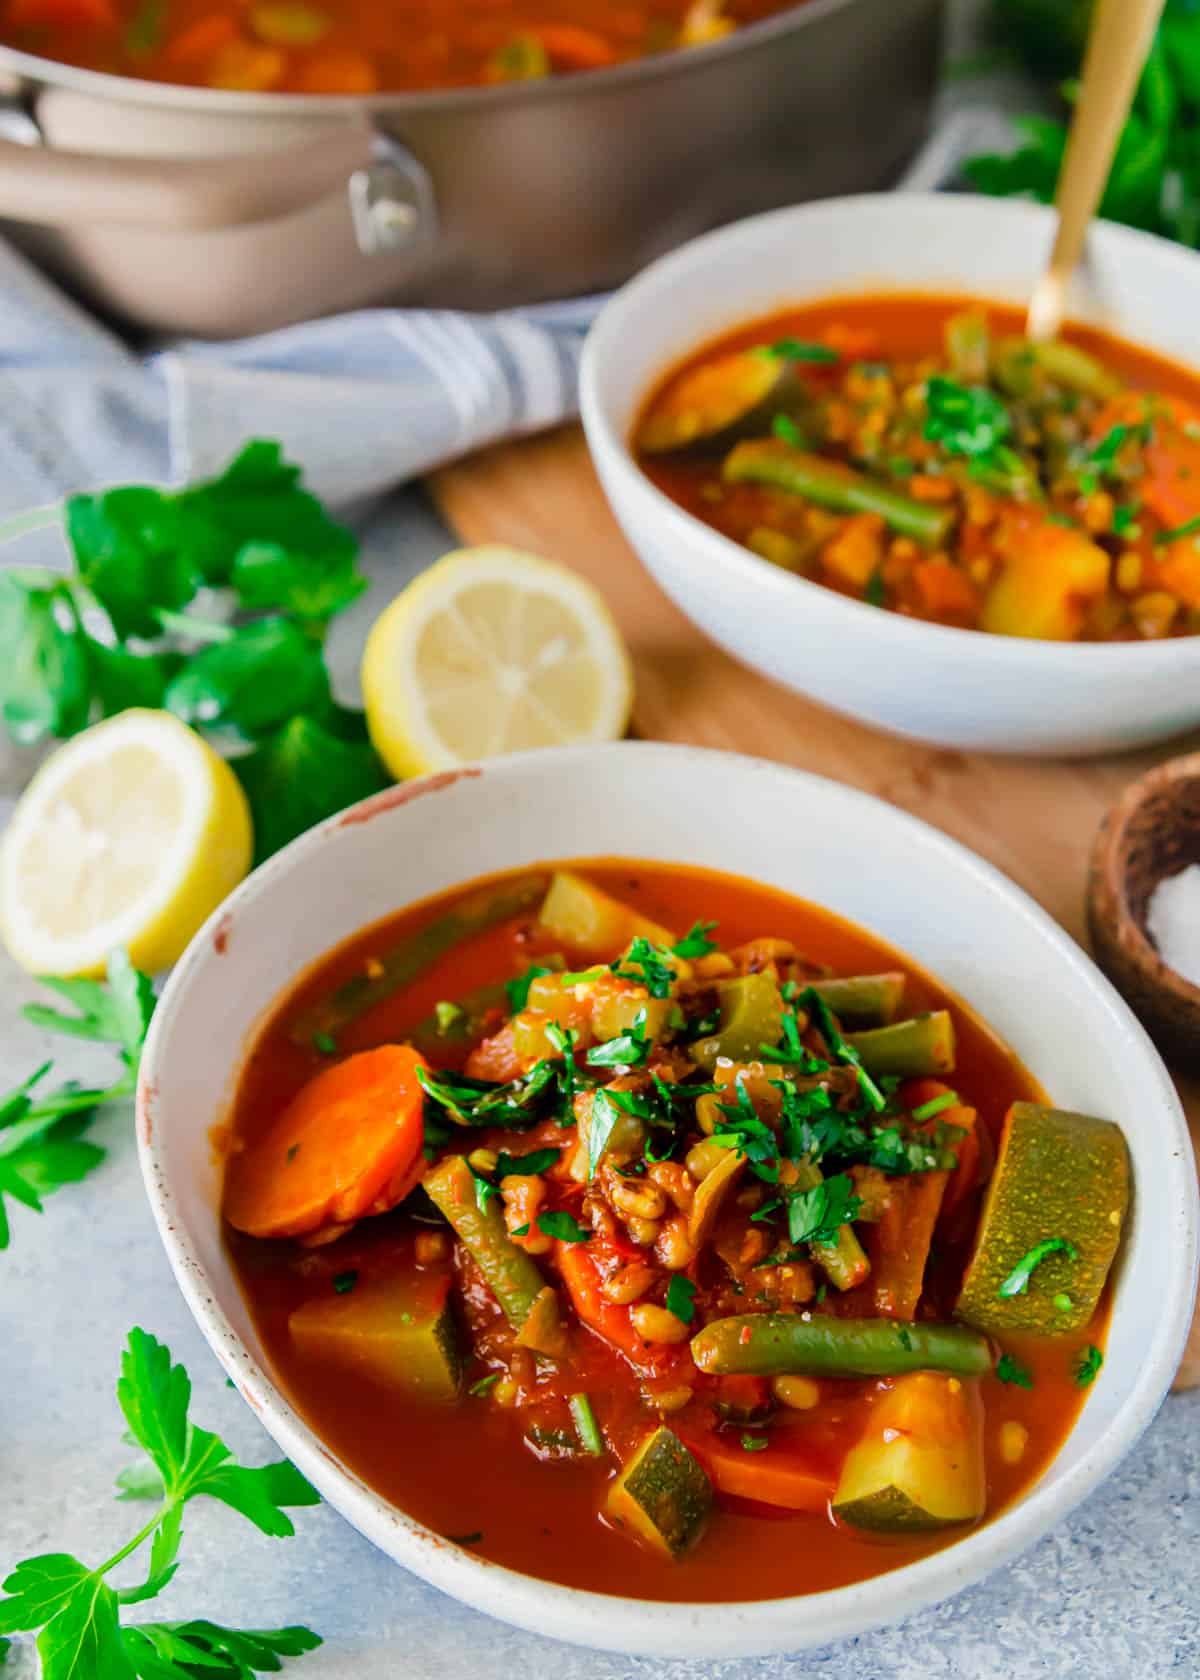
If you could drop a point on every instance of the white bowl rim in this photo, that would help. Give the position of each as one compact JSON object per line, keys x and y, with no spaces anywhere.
{"x":738,"y":1628}
{"x":613,"y":326}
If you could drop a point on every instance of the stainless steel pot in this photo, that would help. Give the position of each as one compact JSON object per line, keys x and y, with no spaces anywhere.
{"x":215,"y":213}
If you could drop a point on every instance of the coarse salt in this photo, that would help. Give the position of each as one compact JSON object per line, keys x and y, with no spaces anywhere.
{"x":1173,"y":922}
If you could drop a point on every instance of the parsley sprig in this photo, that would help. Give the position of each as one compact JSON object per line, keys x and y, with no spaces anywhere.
{"x":43,"y":1141}
{"x":76,"y":1610}
{"x":121,"y":631}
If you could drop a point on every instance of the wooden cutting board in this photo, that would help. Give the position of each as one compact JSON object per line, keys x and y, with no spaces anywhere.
{"x":1034,"y":819}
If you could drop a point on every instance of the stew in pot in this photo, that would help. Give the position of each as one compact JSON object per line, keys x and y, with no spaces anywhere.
{"x":363,"y":46}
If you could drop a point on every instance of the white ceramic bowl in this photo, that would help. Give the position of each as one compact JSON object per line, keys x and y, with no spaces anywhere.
{"x":864,"y":859}
{"x":958,"y":688}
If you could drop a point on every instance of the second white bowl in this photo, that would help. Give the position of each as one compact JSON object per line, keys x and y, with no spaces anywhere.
{"x":956,"y":688}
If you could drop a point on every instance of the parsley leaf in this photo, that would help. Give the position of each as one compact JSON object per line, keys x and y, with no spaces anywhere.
{"x":518,"y":989}
{"x":695,"y":942}
{"x":558,"y":1223}
{"x":783,"y":426}
{"x":935,"y":1105}
{"x":484,"y":1102}
{"x":1017,"y":1281}
{"x":1011,"y":1371}
{"x":603,"y":1117}
{"x":42,"y":1136}
{"x":681,"y":1298}
{"x":1088,"y":1365}
{"x":754,"y":1443}
{"x":649,"y":965}
{"x":627,"y":1049}
{"x":116,"y":1011}
{"x":252,"y":680}
{"x":816,"y":1215}
{"x":966,"y":420}
{"x":344,"y":1282}
{"x":812,"y":1001}
{"x":798,"y":350}
{"x":75,"y":1609}
{"x":536,"y":1161}
{"x":305,"y":771}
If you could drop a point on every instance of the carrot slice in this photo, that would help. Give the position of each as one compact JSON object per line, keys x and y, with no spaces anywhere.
{"x":572,"y":48}
{"x":898,"y":1243}
{"x":200,"y":40}
{"x":347,"y":1145}
{"x":774,"y":1476}
{"x":944,"y":589}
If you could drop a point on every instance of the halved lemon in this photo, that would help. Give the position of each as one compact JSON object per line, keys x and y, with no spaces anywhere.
{"x":131,"y":834}
{"x":492,"y":651}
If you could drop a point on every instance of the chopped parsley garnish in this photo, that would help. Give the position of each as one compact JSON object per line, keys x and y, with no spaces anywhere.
{"x":518,"y":989}
{"x":1102,"y":458}
{"x":904,"y":1337}
{"x":1187,"y":529}
{"x":485,"y":1383}
{"x":1124,"y":518}
{"x":750,"y":1136}
{"x":844,"y":1052}
{"x":627,"y":1049}
{"x":967,"y":420}
{"x":754,"y":1443}
{"x":484,"y":1189}
{"x":935,"y":1105}
{"x":344,"y":1282}
{"x":1087,"y":1365}
{"x":649,"y":965}
{"x":536,"y":1161}
{"x":1063,"y":1303}
{"x":293,"y":1151}
{"x":1011,"y":1371}
{"x":681,"y":1298}
{"x":875,"y":594}
{"x":558,"y":1223}
{"x":325,"y":1043}
{"x":604,"y":1116}
{"x":816,"y":1215}
{"x":483,"y":1102}
{"x":1017,"y":1281}
{"x":783,"y":426}
{"x":798,"y":350}
{"x":695,"y":942}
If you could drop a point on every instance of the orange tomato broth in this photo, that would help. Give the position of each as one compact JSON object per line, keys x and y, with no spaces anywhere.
{"x":353,"y":46}
{"x":888,"y":328}
{"x":464,"y":1469}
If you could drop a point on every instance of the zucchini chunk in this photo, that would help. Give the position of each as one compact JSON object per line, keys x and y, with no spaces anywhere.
{"x":720,"y":401}
{"x":662,"y":1495}
{"x":1058,"y":1175}
{"x":400,"y":1330}
{"x":591,"y":920}
{"x":920,"y":1463}
{"x":751,"y":1017}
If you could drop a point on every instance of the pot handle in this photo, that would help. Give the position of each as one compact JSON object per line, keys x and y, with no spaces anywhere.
{"x":391,"y":197}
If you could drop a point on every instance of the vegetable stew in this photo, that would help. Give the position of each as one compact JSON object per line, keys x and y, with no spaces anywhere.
{"x":363,"y":46}
{"x":652,"y":1231}
{"x":919,"y":454}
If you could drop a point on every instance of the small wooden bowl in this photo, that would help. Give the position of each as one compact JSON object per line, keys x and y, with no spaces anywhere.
{"x":1153,"y":831}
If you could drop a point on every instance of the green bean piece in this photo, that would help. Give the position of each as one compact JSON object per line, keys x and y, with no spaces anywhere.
{"x":772,"y":462}
{"x":843,"y":1260}
{"x":863,"y":997}
{"x":786,"y":1344}
{"x":967,"y":345}
{"x":1067,"y":364}
{"x":431,"y":1036}
{"x":910,"y":1049}
{"x":510,"y":1273}
{"x":401,"y":966}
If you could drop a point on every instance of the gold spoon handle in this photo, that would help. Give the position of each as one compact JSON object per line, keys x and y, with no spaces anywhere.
{"x":1118,"y":43}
